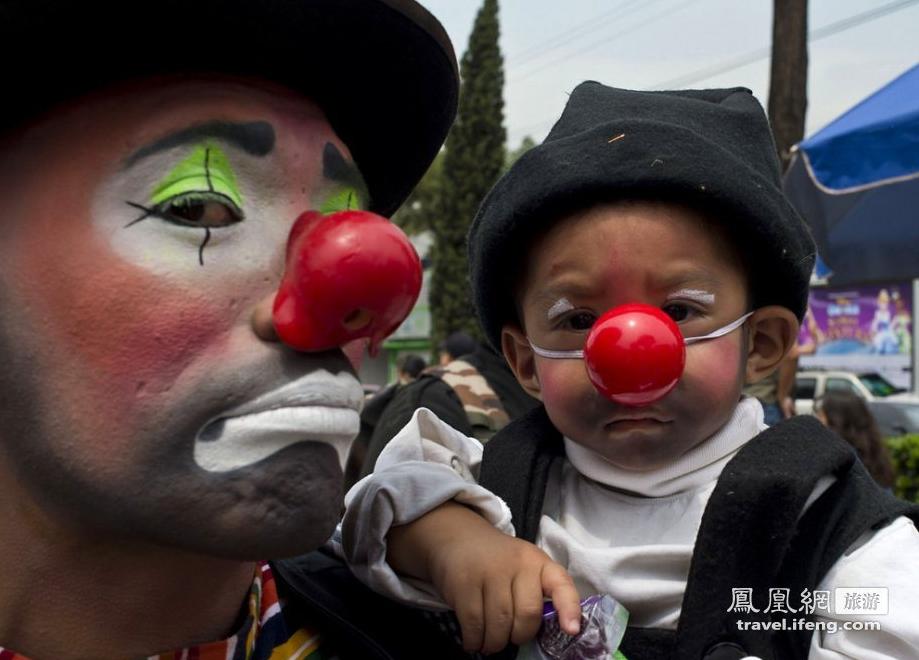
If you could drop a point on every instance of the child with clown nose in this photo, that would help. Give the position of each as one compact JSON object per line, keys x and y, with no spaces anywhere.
{"x":637,"y":269}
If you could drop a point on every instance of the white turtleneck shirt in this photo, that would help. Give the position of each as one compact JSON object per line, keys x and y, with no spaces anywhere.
{"x":626,"y":534}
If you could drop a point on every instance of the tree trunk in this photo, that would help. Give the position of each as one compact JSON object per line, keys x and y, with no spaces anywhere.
{"x":788,"y":83}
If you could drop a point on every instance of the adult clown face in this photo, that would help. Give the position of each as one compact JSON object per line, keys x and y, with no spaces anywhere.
{"x":143,"y":379}
{"x":145,"y":395}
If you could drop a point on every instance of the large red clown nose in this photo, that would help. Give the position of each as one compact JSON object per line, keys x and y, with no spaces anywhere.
{"x":635,"y":354}
{"x":350,"y":275}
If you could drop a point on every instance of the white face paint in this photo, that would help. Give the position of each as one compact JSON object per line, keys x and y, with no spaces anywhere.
{"x":319,"y":407}
{"x":559,"y":307}
{"x":171,"y":250}
{"x":129,"y":348}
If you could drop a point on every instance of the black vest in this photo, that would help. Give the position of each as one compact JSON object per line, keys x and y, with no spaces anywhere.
{"x":750,"y":534}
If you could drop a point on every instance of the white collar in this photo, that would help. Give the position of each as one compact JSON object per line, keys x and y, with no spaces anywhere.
{"x":699,"y":466}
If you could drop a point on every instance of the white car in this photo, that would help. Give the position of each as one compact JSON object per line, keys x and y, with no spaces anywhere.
{"x":813,"y":384}
{"x":895,"y":417}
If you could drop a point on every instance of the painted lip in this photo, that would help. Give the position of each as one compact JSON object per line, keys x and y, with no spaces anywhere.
{"x":319,"y":407}
{"x":644,"y":416}
{"x":636,"y":422}
{"x":319,"y":388}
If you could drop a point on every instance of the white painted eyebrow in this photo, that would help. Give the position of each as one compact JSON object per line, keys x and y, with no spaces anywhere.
{"x":698,"y":295}
{"x":558,"y":308}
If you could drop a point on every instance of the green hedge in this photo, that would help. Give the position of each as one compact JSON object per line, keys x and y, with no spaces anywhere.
{"x":904,"y":451}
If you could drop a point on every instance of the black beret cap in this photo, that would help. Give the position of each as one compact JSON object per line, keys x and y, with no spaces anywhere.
{"x":712,"y":149}
{"x":383,"y":71}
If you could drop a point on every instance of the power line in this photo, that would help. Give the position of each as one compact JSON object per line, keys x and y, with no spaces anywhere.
{"x":761,"y":53}
{"x":590,"y":22}
{"x":605,"y":40}
{"x":542,"y":49}
{"x":711,"y":71}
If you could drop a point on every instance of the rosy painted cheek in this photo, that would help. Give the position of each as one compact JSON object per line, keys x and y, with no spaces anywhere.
{"x":549,"y":387}
{"x":131,"y":332}
{"x":712,"y":370}
{"x":563,"y":385}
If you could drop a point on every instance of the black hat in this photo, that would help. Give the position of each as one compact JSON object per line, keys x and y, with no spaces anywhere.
{"x":712,"y":149}
{"x":383,"y":71}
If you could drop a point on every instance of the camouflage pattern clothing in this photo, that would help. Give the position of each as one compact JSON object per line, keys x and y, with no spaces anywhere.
{"x":483,"y":408}
{"x":477,"y":395}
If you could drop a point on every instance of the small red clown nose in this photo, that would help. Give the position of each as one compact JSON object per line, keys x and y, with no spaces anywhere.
{"x":349,"y":275}
{"x":635,"y":354}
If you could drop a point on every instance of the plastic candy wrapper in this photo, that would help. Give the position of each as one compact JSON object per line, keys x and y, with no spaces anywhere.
{"x":603,"y":624}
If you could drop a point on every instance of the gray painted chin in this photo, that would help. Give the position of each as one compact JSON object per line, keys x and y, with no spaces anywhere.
{"x":286,"y":527}
{"x":286,"y":505}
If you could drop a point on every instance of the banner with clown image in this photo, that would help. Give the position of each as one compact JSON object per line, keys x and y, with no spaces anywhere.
{"x":862,"y":328}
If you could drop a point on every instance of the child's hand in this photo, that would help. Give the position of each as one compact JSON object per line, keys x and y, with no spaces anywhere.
{"x":494,"y":582}
{"x":496,"y":586}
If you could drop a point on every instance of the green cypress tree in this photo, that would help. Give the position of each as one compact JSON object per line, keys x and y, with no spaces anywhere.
{"x":473,"y":160}
{"x":422,"y":206}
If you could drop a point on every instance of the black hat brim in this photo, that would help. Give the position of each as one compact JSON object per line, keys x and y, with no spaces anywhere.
{"x":383,"y":71}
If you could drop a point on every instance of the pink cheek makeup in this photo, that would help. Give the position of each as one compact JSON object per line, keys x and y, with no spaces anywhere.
{"x":563,"y":380}
{"x":713,"y":365}
{"x":129,"y":325}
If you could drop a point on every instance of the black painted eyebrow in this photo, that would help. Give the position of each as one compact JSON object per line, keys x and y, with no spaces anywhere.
{"x":336,"y":168}
{"x":256,"y":138}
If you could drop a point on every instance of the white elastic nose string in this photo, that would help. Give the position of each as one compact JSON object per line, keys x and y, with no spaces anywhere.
{"x":579,"y":353}
{"x":720,"y":332}
{"x":557,"y":355}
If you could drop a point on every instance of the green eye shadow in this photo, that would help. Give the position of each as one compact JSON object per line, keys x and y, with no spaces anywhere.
{"x":341,"y":199}
{"x":206,"y":169}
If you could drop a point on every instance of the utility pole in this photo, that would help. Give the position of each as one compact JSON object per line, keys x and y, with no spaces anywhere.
{"x":787,"y":109}
{"x":788,"y":81}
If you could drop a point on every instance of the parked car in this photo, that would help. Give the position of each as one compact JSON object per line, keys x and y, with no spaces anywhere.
{"x":895,"y":417}
{"x":812,"y":384}
{"x":896,"y":411}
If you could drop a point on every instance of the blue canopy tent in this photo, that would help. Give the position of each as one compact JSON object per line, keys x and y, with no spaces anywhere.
{"x":856,"y":182}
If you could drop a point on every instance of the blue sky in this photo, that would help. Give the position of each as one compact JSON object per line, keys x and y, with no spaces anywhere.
{"x":552,"y":45}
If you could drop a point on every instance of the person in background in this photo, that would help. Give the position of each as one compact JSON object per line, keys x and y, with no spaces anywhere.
{"x":786,"y":389}
{"x":472,"y":389}
{"x":408,"y":368}
{"x":500,"y":391}
{"x":767,"y":393}
{"x":775,"y":393}
{"x":847,"y":414}
{"x":455,"y":346}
